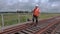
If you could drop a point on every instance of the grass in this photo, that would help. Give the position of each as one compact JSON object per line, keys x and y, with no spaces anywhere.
{"x":44,"y":16}
{"x":12,"y":18}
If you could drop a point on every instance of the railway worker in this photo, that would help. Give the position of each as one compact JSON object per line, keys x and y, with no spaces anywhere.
{"x":36,"y":14}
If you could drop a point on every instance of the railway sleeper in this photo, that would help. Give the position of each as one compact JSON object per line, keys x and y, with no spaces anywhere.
{"x":30,"y":30}
{"x":57,"y":33}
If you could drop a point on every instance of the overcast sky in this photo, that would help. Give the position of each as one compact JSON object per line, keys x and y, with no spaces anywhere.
{"x":45,"y":5}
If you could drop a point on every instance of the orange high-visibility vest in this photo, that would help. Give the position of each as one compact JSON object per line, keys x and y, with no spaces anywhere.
{"x":36,"y":12}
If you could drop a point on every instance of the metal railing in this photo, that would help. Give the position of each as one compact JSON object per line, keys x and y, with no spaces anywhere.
{"x":7,"y":19}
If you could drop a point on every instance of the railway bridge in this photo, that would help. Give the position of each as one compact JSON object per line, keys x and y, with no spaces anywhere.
{"x":46,"y":26}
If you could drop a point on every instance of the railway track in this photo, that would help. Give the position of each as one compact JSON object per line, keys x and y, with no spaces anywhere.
{"x":47,"y":26}
{"x":57,"y":29}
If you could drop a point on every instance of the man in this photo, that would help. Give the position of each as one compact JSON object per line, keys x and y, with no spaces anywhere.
{"x":35,"y":14}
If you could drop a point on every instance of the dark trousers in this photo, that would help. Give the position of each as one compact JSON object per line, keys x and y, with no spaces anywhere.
{"x":35,"y":18}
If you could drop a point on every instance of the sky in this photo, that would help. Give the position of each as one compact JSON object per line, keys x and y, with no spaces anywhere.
{"x":44,"y":5}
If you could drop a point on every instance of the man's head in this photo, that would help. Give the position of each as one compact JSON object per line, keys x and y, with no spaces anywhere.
{"x":36,"y":6}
